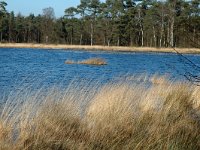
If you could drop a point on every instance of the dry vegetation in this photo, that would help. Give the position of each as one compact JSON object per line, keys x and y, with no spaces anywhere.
{"x":121,"y":115}
{"x":90,"y":61}
{"x":70,"y":62}
{"x":98,"y":47}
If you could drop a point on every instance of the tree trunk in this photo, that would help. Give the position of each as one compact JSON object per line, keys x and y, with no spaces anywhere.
{"x":47,"y":39}
{"x":162,"y":29}
{"x":118,"y":42}
{"x":131,"y":42}
{"x":151,"y":43}
{"x":9,"y":34}
{"x":160,"y":41}
{"x":154,"y":36}
{"x":172,"y":32}
{"x":142,"y":31}
{"x":172,"y":14}
{"x":194,"y":33}
{"x":38,"y":36}
{"x":1,"y":36}
{"x":164,"y":41}
{"x":71,"y":40}
{"x":168,"y":35}
{"x":24,"y":37}
{"x":91,"y":33}
{"x":72,"y":33}
{"x":141,"y":28}
{"x":108,"y":42}
{"x":16,"y":38}
{"x":81,"y":38}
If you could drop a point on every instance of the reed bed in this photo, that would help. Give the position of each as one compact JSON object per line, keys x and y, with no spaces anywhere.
{"x":90,"y":61}
{"x":116,"y":115}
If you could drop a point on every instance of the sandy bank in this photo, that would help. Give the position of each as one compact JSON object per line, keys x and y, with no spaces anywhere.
{"x":96,"y":47}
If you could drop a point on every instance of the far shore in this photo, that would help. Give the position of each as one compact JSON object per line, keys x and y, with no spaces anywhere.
{"x":98,"y":47}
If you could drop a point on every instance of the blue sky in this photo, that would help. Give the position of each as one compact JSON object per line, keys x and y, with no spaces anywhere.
{"x":25,"y":7}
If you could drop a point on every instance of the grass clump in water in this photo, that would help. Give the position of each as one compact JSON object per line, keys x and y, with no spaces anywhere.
{"x":70,"y":62}
{"x":93,"y":61}
{"x":121,"y":115}
{"x":90,"y":61}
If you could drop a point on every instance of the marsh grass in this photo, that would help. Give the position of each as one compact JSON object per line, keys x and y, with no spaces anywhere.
{"x":117,"y":115}
{"x":90,"y":61}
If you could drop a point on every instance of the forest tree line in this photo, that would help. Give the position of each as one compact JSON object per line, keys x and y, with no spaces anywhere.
{"x":148,"y":23}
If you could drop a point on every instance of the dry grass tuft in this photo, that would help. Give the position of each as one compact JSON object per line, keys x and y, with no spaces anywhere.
{"x":121,"y":115}
{"x":70,"y":62}
{"x":91,"y":61}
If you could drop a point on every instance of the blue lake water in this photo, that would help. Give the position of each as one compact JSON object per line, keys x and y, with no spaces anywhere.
{"x":38,"y":67}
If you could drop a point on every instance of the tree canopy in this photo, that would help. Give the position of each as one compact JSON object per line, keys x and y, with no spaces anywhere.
{"x":149,"y":23}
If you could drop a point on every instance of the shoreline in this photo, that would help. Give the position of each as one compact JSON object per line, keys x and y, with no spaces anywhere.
{"x":98,"y":47}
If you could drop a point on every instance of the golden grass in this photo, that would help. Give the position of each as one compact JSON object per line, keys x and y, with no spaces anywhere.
{"x":122,"y":115}
{"x":93,"y":61}
{"x":90,"y":61}
{"x":99,"y":47}
{"x":70,"y":62}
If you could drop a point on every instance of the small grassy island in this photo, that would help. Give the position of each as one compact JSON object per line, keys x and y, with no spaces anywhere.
{"x":90,"y":61}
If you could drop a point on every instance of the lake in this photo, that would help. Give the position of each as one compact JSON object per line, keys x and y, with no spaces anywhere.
{"x":38,"y":68}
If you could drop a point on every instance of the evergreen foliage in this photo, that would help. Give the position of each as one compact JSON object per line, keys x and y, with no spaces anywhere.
{"x":148,"y":23}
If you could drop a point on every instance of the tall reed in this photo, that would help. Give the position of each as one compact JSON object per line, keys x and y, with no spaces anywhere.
{"x":119,"y":115}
